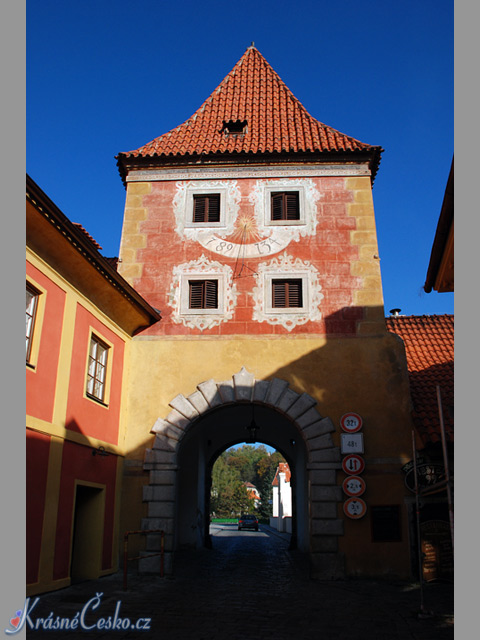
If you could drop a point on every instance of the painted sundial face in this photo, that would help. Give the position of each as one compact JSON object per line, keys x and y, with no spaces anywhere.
{"x":247,"y":231}
{"x":246,"y":241}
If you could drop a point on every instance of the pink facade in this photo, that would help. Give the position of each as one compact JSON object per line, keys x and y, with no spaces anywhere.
{"x":322,"y":243}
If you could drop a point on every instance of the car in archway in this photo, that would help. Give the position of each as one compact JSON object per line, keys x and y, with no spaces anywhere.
{"x":248,"y":521}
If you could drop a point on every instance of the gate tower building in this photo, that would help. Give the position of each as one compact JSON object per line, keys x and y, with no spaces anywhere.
{"x":251,"y":228}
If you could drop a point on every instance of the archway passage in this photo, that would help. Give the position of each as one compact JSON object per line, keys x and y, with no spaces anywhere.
{"x":218,"y":415}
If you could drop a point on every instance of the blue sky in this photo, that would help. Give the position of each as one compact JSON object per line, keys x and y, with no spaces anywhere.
{"x":106,"y":76}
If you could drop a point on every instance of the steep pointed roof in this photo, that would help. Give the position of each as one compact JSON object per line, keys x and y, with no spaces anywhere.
{"x":267,"y":117}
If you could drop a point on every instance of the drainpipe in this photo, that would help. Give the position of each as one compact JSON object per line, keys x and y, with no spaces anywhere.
{"x":445,"y":461}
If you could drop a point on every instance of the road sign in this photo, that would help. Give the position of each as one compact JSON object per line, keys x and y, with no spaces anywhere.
{"x":354,"y":486}
{"x":351,"y":422}
{"x":354,"y":508}
{"x":351,"y":442}
{"x":353,"y":464}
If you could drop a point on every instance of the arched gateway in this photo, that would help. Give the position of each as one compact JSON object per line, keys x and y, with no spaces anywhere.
{"x":212,"y":418}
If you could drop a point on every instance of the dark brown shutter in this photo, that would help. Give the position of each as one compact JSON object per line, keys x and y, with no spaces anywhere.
{"x":199,"y":208}
{"x":206,"y":208}
{"x":278,"y":294}
{"x":203,"y":294}
{"x":211,"y":294}
{"x":291,"y":206}
{"x":285,"y":206}
{"x":213,"y":214}
{"x":196,"y":294}
{"x":287,"y":293}
{"x":277,"y":206}
{"x":295,"y":298}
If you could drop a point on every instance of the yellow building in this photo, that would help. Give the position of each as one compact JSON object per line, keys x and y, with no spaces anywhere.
{"x":80,"y":319}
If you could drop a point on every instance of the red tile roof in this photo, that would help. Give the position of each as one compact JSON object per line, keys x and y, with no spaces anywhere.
{"x":429,"y":346}
{"x":276,"y":122}
{"x":85,"y":232}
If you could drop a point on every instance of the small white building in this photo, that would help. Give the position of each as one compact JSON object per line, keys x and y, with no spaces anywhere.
{"x":253,"y":493}
{"x":282,"y":499}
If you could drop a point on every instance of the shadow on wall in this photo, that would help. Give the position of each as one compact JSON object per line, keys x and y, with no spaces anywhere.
{"x":366,"y":373}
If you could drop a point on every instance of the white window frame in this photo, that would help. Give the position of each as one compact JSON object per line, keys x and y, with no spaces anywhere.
{"x":286,"y":275}
{"x":90,"y":392}
{"x":185,"y":294}
{"x":31,"y":319}
{"x":188,"y":220}
{"x":282,"y":188}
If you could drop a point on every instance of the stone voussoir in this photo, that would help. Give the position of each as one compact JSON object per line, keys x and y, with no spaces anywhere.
{"x":210,"y":392}
{"x":261,"y":389}
{"x":183,"y":406}
{"x":309,"y":417}
{"x":164,"y":443}
{"x":318,"y":428}
{"x":320,"y":442}
{"x":288,"y":398}
{"x":275,"y":391}
{"x":303,"y":403}
{"x":162,"y":427}
{"x":197,"y":400}
{"x":226,"y":391}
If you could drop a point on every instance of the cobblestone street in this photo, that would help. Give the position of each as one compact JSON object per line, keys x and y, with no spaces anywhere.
{"x":249,"y":585}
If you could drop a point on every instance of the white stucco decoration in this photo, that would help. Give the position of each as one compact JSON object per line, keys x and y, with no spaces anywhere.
{"x":284,"y":266}
{"x":199,"y":269}
{"x":183,"y":208}
{"x":283,"y":231}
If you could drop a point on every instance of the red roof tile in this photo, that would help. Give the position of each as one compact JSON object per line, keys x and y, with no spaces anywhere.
{"x":276,"y":121}
{"x":85,"y":232}
{"x":429,"y":347}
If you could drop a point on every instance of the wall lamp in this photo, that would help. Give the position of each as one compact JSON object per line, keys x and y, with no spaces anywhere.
{"x":100,"y":451}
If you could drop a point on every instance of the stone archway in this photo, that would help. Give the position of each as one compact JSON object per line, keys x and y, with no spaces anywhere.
{"x":321,"y":461}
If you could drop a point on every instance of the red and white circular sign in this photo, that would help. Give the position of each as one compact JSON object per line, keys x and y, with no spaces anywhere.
{"x":351,"y":422}
{"x":354,"y":508}
{"x":354,"y":486}
{"x":353,"y":464}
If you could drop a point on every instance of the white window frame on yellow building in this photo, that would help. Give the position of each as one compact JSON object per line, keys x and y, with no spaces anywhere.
{"x":96,"y":336}
{"x":37,"y":322}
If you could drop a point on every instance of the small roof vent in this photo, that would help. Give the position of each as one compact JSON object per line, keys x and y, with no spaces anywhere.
{"x":395,"y":312}
{"x":234,"y":127}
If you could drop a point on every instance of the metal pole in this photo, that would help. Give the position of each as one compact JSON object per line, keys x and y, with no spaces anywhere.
{"x":162,"y":552}
{"x":445,"y":460}
{"x":417,"y":509}
{"x":125,"y":560}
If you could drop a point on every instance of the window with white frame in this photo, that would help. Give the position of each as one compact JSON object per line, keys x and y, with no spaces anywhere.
{"x":202,"y":294}
{"x":97,"y":368}
{"x":286,"y":292}
{"x":31,"y":312}
{"x":205,"y":207}
{"x":284,"y":207}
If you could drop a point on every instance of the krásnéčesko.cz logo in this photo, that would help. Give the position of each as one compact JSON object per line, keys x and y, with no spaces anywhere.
{"x":84,"y":619}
